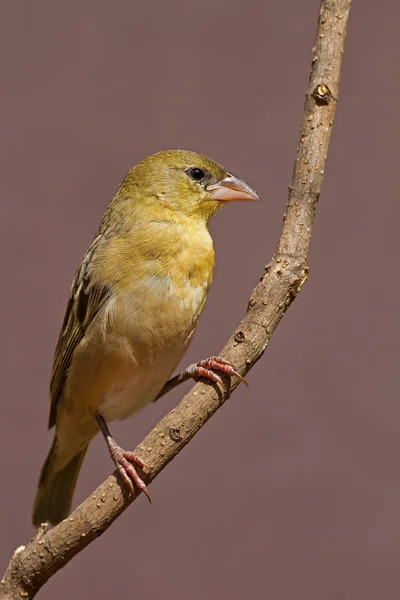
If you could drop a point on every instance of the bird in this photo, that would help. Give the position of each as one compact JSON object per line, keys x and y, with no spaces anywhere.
{"x":133,"y":308}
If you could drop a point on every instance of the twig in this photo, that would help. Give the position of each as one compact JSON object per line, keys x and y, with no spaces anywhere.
{"x":33,"y":564}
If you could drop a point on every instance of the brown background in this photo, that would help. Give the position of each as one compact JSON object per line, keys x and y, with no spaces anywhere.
{"x":293,"y":489}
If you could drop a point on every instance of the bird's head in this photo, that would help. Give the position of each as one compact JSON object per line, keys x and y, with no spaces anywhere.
{"x":185,"y":182}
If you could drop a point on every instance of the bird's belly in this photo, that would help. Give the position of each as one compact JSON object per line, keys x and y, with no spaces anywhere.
{"x":155,"y":339}
{"x":130,"y":395}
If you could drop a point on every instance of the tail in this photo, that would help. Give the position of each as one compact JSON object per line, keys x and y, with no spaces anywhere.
{"x":56,"y":488}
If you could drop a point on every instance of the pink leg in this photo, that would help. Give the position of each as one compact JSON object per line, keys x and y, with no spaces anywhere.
{"x":122,"y":460}
{"x":203,"y":369}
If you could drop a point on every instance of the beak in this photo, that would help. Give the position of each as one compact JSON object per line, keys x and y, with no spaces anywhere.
{"x":232,"y":188}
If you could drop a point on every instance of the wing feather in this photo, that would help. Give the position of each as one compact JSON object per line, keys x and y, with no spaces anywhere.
{"x":85,"y":301}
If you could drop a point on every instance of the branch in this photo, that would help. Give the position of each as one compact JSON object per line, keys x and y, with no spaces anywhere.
{"x":32,"y":565}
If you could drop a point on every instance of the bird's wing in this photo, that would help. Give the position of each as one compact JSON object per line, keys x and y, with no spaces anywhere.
{"x":85,"y":301}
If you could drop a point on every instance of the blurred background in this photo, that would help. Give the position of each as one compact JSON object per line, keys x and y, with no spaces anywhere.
{"x":88,"y":89}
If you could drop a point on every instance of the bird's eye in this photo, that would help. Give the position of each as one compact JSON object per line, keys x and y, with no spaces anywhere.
{"x":197,"y":174}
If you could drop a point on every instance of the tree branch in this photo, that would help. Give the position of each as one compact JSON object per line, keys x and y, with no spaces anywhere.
{"x":32,"y":565}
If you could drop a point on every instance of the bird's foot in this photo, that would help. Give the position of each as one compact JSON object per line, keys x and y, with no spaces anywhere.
{"x":123,"y":461}
{"x":204,"y":369}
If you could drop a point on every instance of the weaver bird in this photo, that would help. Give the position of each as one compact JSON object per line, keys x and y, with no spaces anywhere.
{"x":133,"y":308}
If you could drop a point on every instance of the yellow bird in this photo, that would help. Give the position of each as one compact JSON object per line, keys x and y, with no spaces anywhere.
{"x":133,"y":308}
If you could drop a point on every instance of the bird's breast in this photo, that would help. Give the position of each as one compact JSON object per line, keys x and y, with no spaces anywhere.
{"x":164,"y":310}
{"x":164,"y":294}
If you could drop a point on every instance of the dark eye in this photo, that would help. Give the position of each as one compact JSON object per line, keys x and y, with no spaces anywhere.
{"x":197,"y":174}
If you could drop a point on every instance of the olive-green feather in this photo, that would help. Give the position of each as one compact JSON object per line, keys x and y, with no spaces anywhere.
{"x":55,"y":490}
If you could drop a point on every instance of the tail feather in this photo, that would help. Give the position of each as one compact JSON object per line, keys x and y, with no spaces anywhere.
{"x":56,"y":488}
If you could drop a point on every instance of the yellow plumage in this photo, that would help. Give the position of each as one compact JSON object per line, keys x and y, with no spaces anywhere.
{"x":133,"y":308}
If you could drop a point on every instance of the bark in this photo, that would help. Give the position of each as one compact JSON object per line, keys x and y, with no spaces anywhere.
{"x":32,"y":565}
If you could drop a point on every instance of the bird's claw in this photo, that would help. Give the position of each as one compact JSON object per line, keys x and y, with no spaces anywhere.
{"x":123,"y":460}
{"x":203,"y":369}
